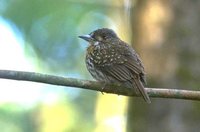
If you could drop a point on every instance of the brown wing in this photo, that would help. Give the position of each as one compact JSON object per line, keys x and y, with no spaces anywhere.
{"x":136,"y":67}
{"x":127,"y":72}
{"x":125,"y":66}
{"x":122,"y":69}
{"x":119,"y":72}
{"x":121,"y":63}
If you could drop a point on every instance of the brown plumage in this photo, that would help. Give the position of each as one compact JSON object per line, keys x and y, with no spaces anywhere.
{"x":111,"y":60}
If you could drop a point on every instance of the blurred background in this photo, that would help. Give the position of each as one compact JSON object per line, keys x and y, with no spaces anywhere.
{"x":41,"y":36}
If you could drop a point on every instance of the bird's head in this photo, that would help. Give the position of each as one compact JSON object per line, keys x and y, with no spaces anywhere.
{"x":103,"y":35}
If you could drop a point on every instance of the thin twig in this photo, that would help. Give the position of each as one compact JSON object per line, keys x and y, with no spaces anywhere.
{"x":97,"y":86}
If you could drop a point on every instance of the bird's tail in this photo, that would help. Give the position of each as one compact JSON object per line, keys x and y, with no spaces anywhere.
{"x":141,"y":89}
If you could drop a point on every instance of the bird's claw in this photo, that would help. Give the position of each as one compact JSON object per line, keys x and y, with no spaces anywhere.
{"x":104,"y":86}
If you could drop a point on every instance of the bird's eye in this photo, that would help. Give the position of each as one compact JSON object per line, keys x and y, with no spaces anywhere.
{"x":99,"y":38}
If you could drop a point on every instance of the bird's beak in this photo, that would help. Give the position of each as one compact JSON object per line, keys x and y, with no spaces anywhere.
{"x":86,"y":37}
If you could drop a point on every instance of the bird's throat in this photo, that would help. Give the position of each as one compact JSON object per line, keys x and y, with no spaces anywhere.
{"x":90,"y":49}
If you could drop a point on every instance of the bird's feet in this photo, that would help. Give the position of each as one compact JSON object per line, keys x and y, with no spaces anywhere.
{"x":103,"y":87}
{"x":115,"y":91}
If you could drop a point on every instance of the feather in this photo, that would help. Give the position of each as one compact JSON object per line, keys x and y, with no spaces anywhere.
{"x":141,"y":89}
{"x":119,"y":72}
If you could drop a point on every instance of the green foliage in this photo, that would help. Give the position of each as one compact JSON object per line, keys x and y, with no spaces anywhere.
{"x":50,"y":30}
{"x":14,"y":118}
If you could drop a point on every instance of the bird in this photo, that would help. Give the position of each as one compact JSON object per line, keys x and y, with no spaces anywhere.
{"x":111,"y":60}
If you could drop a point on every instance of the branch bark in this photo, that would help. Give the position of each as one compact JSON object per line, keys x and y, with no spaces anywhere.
{"x":97,"y":86}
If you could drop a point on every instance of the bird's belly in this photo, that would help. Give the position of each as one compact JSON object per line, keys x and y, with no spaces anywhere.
{"x":95,"y":72}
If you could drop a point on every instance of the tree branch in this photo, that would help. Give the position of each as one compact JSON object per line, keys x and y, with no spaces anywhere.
{"x":97,"y":86}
